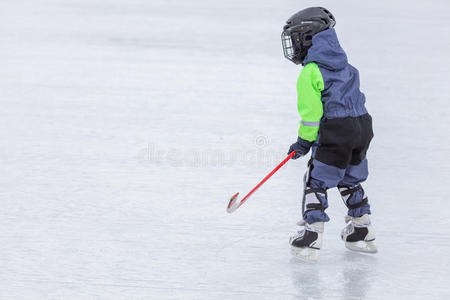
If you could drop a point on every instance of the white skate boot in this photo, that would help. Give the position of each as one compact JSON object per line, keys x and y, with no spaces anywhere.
{"x":306,"y":244}
{"x":359,"y":234}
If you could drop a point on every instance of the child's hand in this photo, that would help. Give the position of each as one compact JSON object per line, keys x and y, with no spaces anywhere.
{"x":301,"y":148}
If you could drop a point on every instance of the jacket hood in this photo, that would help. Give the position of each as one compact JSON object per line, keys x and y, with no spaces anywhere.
{"x":326,"y":51}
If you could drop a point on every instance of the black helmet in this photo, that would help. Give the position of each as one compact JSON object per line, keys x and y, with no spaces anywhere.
{"x":299,"y":29}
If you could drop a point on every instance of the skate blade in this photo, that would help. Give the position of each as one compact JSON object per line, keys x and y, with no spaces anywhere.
{"x":305,"y":254}
{"x":362,"y":246}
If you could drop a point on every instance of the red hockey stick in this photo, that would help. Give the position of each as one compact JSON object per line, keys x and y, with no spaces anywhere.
{"x":234,"y":204}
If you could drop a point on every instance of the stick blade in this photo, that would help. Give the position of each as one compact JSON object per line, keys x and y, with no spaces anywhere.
{"x":233,"y":204}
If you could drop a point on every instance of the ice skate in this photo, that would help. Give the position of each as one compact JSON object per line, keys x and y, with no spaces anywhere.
{"x":306,"y":244}
{"x":359,"y":234}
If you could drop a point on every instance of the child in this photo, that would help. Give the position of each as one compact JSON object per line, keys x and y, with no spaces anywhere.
{"x":335,"y":123}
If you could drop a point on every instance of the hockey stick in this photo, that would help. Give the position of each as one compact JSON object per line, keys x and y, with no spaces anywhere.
{"x":234,"y":204}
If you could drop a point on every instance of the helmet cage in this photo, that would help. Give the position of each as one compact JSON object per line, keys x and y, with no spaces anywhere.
{"x":295,"y":43}
{"x":288,"y":46}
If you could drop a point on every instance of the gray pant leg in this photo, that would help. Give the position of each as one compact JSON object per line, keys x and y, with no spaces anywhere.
{"x":351,"y":191}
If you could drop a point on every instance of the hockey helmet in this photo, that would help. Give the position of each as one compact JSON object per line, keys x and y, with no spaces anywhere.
{"x":297,"y":34}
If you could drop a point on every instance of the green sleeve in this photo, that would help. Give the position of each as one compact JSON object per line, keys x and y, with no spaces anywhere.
{"x":309,"y":87}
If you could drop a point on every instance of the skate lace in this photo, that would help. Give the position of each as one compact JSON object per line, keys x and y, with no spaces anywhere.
{"x":347,"y":229}
{"x":299,"y":234}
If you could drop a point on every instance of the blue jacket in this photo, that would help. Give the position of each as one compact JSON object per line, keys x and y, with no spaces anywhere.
{"x":341,"y":96}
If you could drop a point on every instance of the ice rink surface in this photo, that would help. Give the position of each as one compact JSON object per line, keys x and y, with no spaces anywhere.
{"x":126,"y":126}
